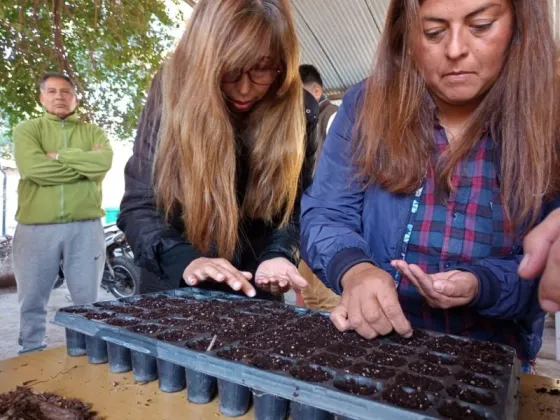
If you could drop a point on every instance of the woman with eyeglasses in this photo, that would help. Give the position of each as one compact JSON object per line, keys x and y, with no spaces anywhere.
{"x":212,"y":189}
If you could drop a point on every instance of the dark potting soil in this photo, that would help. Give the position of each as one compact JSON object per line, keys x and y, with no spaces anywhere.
{"x":477,"y":381}
{"x":355,"y":339}
{"x":174,"y":322}
{"x":346,"y":350}
{"x":262,"y":343}
{"x":149,"y":329}
{"x":98,"y":315}
{"x":288,"y":349}
{"x":371,"y":370}
{"x":176,"y":336}
{"x":397,"y":350}
{"x":127,"y":310}
{"x":552,"y":391}
{"x":329,"y":360}
{"x":271,"y":362}
{"x":356,"y":387}
{"x":153,"y":315}
{"x":430,"y":369}
{"x":310,"y":373}
{"x":470,"y":395}
{"x":242,"y":303}
{"x":483,"y":368}
{"x":203,"y":328}
{"x":439,"y":360}
{"x":418,"y":339}
{"x":177,"y":302}
{"x":120,"y":322}
{"x":420,"y":383}
{"x":203,"y":344}
{"x":236,"y":354}
{"x":476,"y":347}
{"x":454,"y":411}
{"x":150,"y":302}
{"x":72,"y":310}
{"x":386,"y":359}
{"x":496,"y":359}
{"x":411,"y":399}
{"x":25,"y":404}
{"x":445,"y":344}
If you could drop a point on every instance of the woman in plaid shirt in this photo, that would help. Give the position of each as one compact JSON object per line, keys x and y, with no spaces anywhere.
{"x":433,"y":171}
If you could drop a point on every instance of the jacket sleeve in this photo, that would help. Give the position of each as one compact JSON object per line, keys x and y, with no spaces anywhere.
{"x":501,"y":292}
{"x":285,"y":242}
{"x":157,"y":246}
{"x":35,"y":165}
{"x":331,"y":222}
{"x":92,"y":164}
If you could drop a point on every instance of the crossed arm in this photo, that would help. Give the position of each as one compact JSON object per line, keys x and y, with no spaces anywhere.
{"x":48,"y":168}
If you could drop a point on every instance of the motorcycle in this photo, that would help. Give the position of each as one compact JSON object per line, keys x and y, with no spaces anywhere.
{"x":121,"y":276}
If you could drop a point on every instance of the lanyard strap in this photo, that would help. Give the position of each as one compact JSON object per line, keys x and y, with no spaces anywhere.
{"x":408,"y":231}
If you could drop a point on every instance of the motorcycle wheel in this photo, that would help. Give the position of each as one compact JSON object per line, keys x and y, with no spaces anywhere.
{"x":126,"y":280}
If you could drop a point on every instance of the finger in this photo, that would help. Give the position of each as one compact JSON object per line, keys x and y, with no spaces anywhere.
{"x":549,"y":289}
{"x":357,"y":320}
{"x":424,"y":280}
{"x":404,"y":269}
{"x":456,"y":286}
{"x":374,"y":316}
{"x":392,"y":309}
{"x":274,"y":289}
{"x":211,"y":271}
{"x":285,"y":288}
{"x":537,"y":246}
{"x":296,"y":278}
{"x":235,"y":279}
{"x":339,"y":316}
{"x":262,"y":280}
{"x":246,"y":274}
{"x":417,"y":285}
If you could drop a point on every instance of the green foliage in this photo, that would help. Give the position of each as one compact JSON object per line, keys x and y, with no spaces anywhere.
{"x":111,"y":48}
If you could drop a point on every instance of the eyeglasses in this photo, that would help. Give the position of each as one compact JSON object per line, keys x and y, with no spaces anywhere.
{"x":256,"y":75}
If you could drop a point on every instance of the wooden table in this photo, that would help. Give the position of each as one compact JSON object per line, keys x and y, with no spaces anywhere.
{"x":117,"y":396}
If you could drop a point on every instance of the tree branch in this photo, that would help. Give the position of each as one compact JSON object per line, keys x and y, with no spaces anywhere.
{"x":63,"y":63}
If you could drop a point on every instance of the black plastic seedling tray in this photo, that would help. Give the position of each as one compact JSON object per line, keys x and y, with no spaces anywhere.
{"x":291,"y":360}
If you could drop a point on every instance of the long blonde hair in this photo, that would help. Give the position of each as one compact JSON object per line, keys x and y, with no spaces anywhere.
{"x":522,"y":109}
{"x":195,"y":163}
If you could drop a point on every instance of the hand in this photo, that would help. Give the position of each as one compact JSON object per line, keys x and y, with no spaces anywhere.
{"x":97,"y":147}
{"x":542,"y":255}
{"x":52,"y":155}
{"x":442,"y":290}
{"x":277,"y":275}
{"x":369,"y":304}
{"x":221,"y":271}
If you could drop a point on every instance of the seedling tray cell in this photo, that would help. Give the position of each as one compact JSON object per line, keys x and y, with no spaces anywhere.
{"x":293,"y":360}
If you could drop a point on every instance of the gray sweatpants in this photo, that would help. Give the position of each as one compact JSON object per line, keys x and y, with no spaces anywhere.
{"x":38,"y":250}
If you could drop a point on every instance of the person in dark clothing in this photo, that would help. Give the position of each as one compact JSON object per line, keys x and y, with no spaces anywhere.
{"x":220,"y":158}
{"x":435,"y":169}
{"x":313,"y":83}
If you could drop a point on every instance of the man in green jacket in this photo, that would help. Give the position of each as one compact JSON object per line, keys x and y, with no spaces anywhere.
{"x":62,"y":162}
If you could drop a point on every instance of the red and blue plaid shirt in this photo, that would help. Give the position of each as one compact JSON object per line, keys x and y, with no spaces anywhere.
{"x":465,"y":226}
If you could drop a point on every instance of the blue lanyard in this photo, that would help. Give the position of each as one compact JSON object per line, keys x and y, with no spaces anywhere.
{"x":408,"y":231}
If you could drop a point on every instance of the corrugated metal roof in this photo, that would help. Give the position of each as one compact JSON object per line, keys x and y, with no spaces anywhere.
{"x":339,"y":37}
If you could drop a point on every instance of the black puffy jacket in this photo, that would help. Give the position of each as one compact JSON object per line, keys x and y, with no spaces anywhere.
{"x":160,"y":247}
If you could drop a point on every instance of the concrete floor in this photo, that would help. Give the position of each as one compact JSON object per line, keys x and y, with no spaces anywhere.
{"x":9,"y":328}
{"x":9,"y":319}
